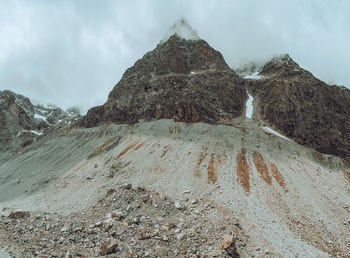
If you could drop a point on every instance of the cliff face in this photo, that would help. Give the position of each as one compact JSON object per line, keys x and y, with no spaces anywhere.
{"x":187,"y":80}
{"x":184,"y":80}
{"x":305,"y":109}
{"x":16,"y":114}
{"x":21,"y":121}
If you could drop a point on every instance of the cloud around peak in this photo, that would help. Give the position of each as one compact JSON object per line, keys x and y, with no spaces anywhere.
{"x":73,"y":52}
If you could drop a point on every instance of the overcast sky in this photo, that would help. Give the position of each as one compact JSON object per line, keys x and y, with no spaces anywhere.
{"x":74,"y":52}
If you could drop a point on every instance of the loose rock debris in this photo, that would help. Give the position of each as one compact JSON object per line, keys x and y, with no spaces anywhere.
{"x":126,"y":222}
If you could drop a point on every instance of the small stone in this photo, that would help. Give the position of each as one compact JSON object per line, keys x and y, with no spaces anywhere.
{"x":127,"y":186}
{"x":170,"y":225}
{"x":64,"y":229}
{"x":107,"y":246}
{"x":165,"y":238}
{"x":129,"y":208}
{"x":118,"y":215}
{"x":98,"y":224}
{"x":194,"y":201}
{"x":177,"y":205}
{"x":136,"y":220}
{"x":144,"y":235}
{"x":186,"y":192}
{"x":180,"y":236}
{"x":229,"y":246}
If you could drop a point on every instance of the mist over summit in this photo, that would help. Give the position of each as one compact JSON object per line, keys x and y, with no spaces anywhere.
{"x":185,"y":157}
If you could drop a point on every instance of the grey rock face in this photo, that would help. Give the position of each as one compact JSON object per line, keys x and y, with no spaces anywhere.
{"x":184,"y":80}
{"x":21,"y":121}
{"x":305,"y":109}
{"x":16,"y":114}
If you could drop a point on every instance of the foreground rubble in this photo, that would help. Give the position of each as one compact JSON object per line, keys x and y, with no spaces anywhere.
{"x":127,"y":222}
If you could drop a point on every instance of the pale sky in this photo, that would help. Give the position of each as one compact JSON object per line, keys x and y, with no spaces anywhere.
{"x":73,"y":52}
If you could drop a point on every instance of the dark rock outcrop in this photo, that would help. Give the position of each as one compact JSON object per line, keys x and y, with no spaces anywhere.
{"x":21,"y":121}
{"x":305,"y":109}
{"x":184,"y":80}
{"x":16,"y":114}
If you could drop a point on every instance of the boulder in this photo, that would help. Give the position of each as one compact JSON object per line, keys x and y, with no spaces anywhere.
{"x":108,"y":246}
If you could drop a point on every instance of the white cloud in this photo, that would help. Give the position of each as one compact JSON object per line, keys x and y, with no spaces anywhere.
{"x":74,"y":52}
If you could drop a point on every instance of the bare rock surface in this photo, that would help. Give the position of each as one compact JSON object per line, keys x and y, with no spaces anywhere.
{"x":148,"y":226}
{"x":292,"y":101}
{"x":184,"y":80}
{"x":22,"y":122}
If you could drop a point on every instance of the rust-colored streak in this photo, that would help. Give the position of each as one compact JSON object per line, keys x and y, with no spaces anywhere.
{"x":278,"y":176}
{"x":347,"y":175}
{"x":243,"y":176}
{"x":195,"y":114}
{"x":158,"y":111}
{"x":139,"y":146}
{"x":261,"y":167}
{"x":103,"y":146}
{"x":197,"y":170}
{"x":166,"y":148}
{"x":221,"y":158}
{"x":211,"y":170}
{"x":14,"y":109}
{"x":207,"y":52}
{"x":126,"y":150}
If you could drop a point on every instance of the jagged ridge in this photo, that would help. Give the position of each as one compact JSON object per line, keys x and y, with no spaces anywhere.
{"x":21,"y":121}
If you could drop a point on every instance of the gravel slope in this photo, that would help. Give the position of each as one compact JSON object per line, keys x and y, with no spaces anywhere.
{"x":289,"y":200}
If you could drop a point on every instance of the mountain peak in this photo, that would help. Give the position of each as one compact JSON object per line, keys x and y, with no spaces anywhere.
{"x":182,"y":29}
{"x":184,"y":80}
{"x":282,"y":65}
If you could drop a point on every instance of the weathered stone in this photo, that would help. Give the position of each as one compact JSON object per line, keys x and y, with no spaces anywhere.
{"x":229,"y":246}
{"x":107,"y":246}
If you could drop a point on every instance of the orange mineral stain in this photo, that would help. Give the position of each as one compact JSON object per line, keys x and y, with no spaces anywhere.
{"x":243,"y":176}
{"x":278,"y":176}
{"x":261,"y":167}
{"x":126,"y":150}
{"x":211,"y":170}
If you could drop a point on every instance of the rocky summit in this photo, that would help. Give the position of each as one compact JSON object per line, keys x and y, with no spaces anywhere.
{"x":187,"y":80}
{"x":300,"y":106}
{"x":184,"y":80}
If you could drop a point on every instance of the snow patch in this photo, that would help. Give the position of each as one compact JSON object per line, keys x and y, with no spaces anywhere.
{"x":193,"y":72}
{"x":253,"y":76}
{"x":32,"y":131}
{"x":270,"y":130}
{"x":182,"y":29}
{"x":249,"y":106}
{"x":37,"y":116}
